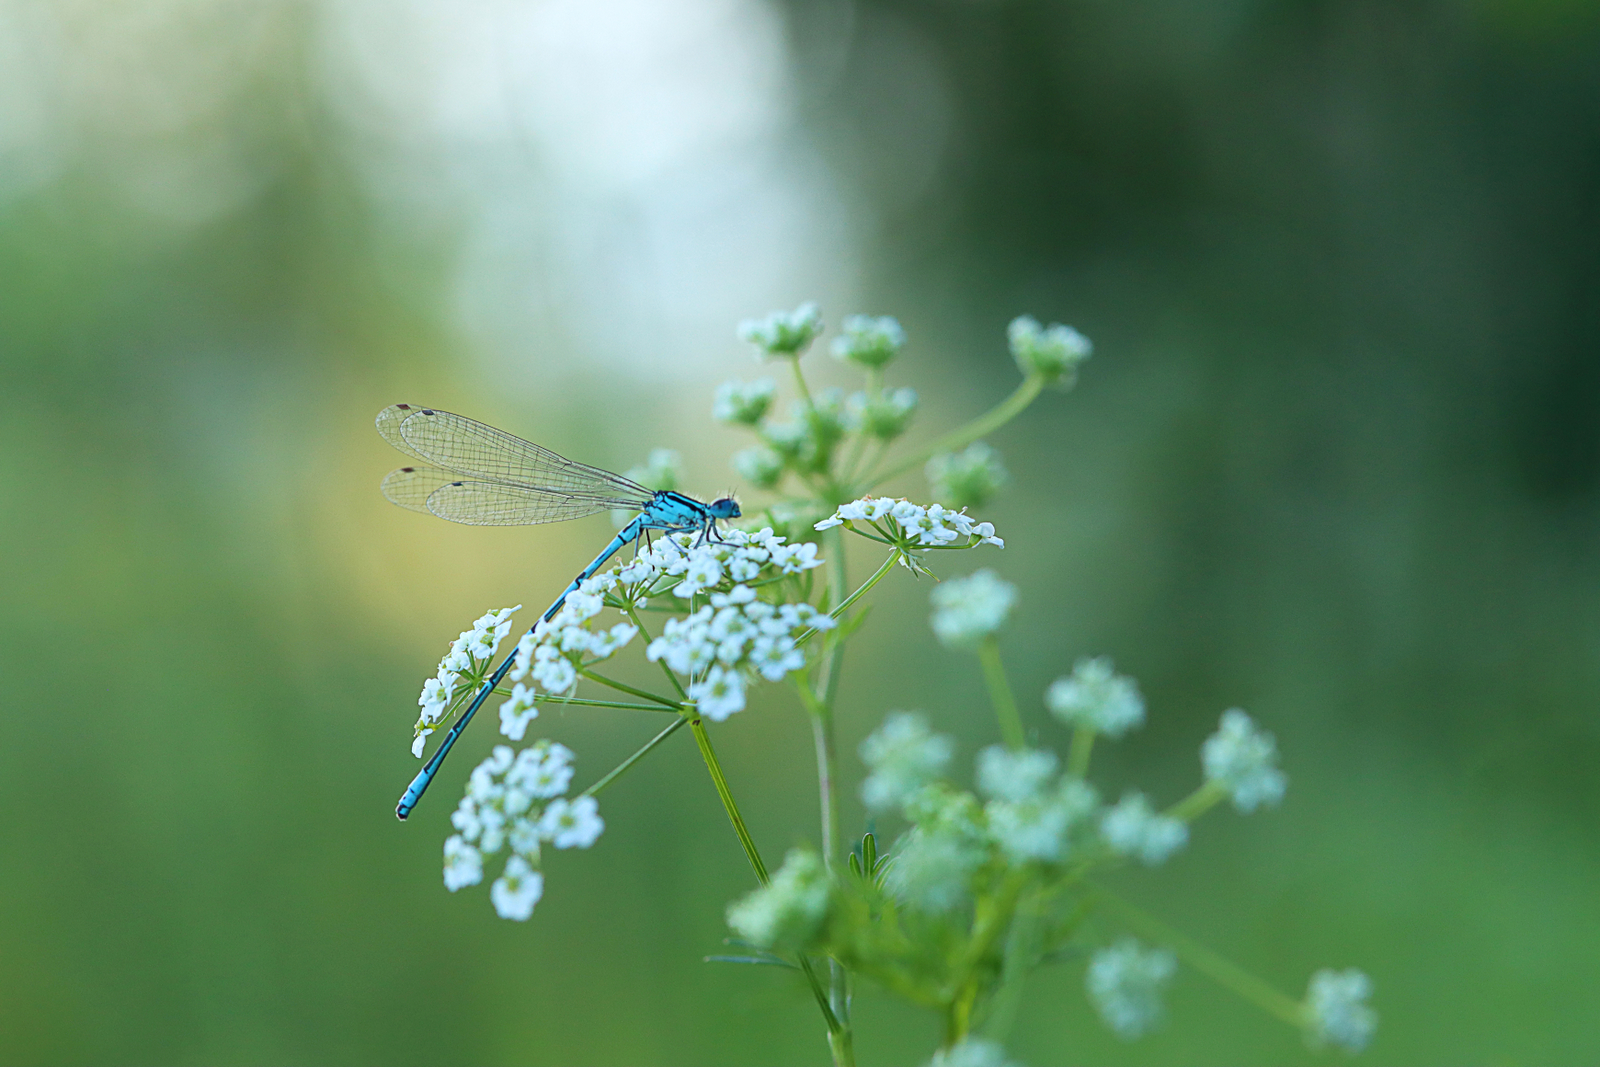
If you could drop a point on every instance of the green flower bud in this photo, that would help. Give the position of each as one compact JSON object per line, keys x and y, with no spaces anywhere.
{"x":743,"y":403}
{"x":761,"y":467}
{"x":871,"y":342}
{"x":784,"y":333}
{"x":966,"y":479}
{"x":884,"y":416}
{"x":1054,"y":351}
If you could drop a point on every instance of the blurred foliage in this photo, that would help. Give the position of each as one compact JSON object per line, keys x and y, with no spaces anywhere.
{"x":1337,"y":460}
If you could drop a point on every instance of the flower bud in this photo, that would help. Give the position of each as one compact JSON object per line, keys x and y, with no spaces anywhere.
{"x":743,"y":403}
{"x":871,"y":342}
{"x":761,"y":467}
{"x":784,"y":333}
{"x":884,"y":416}
{"x":966,"y":479}
{"x":1053,"y":352}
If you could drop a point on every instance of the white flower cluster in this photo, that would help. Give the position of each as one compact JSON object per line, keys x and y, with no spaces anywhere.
{"x":933,"y":526}
{"x":972,"y":1052}
{"x":549,"y":655}
{"x":784,"y":333}
{"x":517,"y":800}
{"x":731,"y":639}
{"x":1133,"y":828}
{"x":1243,"y":758}
{"x":469,"y":655}
{"x":904,"y":755}
{"x":966,"y":610}
{"x":1337,"y":1012}
{"x":786,"y":911}
{"x":1094,"y":695}
{"x":1125,"y":983}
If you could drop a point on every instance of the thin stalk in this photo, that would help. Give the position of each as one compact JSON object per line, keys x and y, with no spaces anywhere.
{"x":1199,"y":802}
{"x":1005,"y":705}
{"x":666,"y":670}
{"x":987,"y":423}
{"x":800,"y":382}
{"x":1223,"y":971}
{"x":585,"y":702}
{"x":1078,"y":754}
{"x":623,"y":687}
{"x":877,"y":577}
{"x":620,"y":769}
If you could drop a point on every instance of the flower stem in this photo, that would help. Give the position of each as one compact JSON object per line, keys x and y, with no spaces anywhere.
{"x":866,"y":586}
{"x":625,"y":688}
{"x":724,"y":794}
{"x":1199,"y":802}
{"x":584,"y":702}
{"x":1078,"y":754}
{"x":987,"y":423}
{"x":622,"y":768}
{"x":1220,"y":970}
{"x":1005,"y":705}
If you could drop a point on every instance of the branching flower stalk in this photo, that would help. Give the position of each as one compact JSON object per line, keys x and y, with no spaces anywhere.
{"x":982,"y":886}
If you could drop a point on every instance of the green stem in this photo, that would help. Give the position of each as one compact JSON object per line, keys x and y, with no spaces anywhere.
{"x":1005,"y":705}
{"x":666,"y":670}
{"x":1078,"y":754}
{"x":1199,"y":802}
{"x":1021,"y":955}
{"x":866,"y":586}
{"x":585,"y":702}
{"x":800,"y":382}
{"x":620,"y":769}
{"x":996,"y":417}
{"x":622,"y":687}
{"x":1223,"y":971}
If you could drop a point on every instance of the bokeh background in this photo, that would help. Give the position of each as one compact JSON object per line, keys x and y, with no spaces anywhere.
{"x":1336,"y":460}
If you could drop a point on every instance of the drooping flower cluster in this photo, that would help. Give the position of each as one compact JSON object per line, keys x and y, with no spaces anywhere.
{"x":517,"y":800}
{"x":466,"y":662}
{"x":902,"y":522}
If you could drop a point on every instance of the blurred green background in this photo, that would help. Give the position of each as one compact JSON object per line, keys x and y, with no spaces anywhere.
{"x":1336,"y":460}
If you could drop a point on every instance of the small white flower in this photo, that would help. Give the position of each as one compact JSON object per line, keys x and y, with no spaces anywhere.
{"x":739,"y":594}
{"x":719,"y":694}
{"x":555,"y":676}
{"x":608,"y":642}
{"x":572,"y":823}
{"x":743,"y":403}
{"x":1337,"y":1012}
{"x":524,"y":656}
{"x":465,"y":818}
{"x":1052,"y":352}
{"x":1132,"y":828}
{"x":829,"y":523}
{"x":463,"y":864}
{"x":931,"y":869}
{"x":516,"y":713}
{"x":1014,"y":775}
{"x":420,"y":742}
{"x":1244,"y":758}
{"x":970,"y":609}
{"x":792,"y":559}
{"x":516,"y":891}
{"x":436,"y":693}
{"x":775,"y":657}
{"x":524,"y":838}
{"x":869,"y":341}
{"x":786,"y":912}
{"x":904,"y":755}
{"x":1028,"y":830}
{"x":1125,"y":983}
{"x":1097,"y":697}
{"x":545,"y":770}
{"x":703,"y":571}
{"x":784,"y":333}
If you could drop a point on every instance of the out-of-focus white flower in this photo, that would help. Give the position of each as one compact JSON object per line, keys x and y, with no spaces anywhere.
{"x":516,"y":891}
{"x":1042,"y":828}
{"x":420,"y":742}
{"x":1243,"y":758}
{"x":792,"y":559}
{"x":463,"y":864}
{"x":572,"y":824}
{"x":884,"y":416}
{"x":743,"y":403}
{"x":518,"y":712}
{"x":967,"y":479}
{"x":903,"y":755}
{"x":1053,"y":352}
{"x":758,"y":465}
{"x":1094,"y":695}
{"x":966,"y":610}
{"x":869,"y":341}
{"x":1132,"y":828}
{"x":1005,"y":774}
{"x":788,"y":910}
{"x":783,"y":333}
{"x":932,"y":868}
{"x":972,"y":1052}
{"x":1125,"y":984}
{"x":1337,"y":1012}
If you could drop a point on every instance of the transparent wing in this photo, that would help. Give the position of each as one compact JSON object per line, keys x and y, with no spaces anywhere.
{"x":482,"y":452}
{"x":477,"y":503}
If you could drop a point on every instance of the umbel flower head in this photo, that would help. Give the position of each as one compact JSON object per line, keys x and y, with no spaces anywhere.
{"x":968,"y":478}
{"x":1243,"y":759}
{"x":1095,"y":696}
{"x":871,"y":342}
{"x":785,"y":912}
{"x":783,"y":333}
{"x":1337,"y":1012}
{"x":1052,"y":352}
{"x":1125,"y":983}
{"x":966,"y":610}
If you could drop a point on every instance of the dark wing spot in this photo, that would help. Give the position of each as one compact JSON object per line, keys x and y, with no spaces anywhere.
{"x":429,"y":411}
{"x":407,"y":470}
{"x":457,"y":483}
{"x":403,"y":407}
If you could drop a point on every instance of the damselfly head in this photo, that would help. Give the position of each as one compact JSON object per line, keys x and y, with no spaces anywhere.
{"x":726,"y":508}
